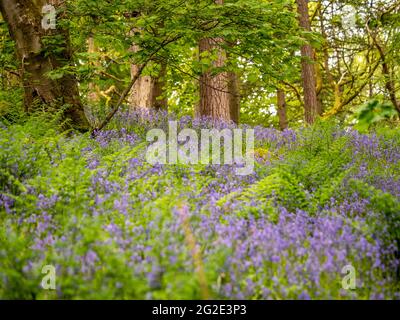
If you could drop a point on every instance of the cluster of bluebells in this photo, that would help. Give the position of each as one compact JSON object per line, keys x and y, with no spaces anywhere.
{"x":105,"y":137}
{"x":123,"y":234}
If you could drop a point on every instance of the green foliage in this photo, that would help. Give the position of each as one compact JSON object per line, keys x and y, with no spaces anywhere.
{"x":279,"y":189}
{"x":374,"y":112}
{"x":321,"y":162}
{"x":111,"y":222}
{"x":386,"y":204}
{"x":95,"y":199}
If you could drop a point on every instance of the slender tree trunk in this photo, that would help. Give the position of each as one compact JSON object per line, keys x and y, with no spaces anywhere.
{"x":281,"y":102}
{"x":370,"y":82}
{"x":319,"y":83}
{"x":307,"y":69}
{"x":24,"y":19}
{"x":328,"y":72}
{"x":215,"y":99}
{"x":234,"y":97}
{"x":234,"y":92}
{"x":160,"y":102}
{"x":389,"y":82}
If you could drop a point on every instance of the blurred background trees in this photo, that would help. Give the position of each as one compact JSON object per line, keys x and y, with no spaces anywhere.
{"x":281,"y":63}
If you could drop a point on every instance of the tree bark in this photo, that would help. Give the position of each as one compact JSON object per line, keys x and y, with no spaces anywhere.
{"x":93,"y":93}
{"x":24,"y":19}
{"x":148,"y":91}
{"x":389,"y":82}
{"x":215,"y":97}
{"x":234,"y":97}
{"x":214,"y":88}
{"x":307,"y":66}
{"x":281,"y":102}
{"x":319,"y":85}
{"x":160,"y":102}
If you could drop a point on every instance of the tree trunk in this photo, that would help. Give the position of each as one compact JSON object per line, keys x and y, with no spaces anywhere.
{"x":318,"y":83}
{"x":234,"y":97}
{"x":307,"y":67}
{"x":281,"y":101}
{"x":215,"y":100}
{"x":214,"y":91}
{"x":24,"y":19}
{"x":160,"y":102}
{"x":148,"y":91}
{"x":389,"y":82}
{"x":93,"y":93}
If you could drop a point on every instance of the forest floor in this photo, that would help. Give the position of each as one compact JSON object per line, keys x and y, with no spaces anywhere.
{"x":318,"y":218}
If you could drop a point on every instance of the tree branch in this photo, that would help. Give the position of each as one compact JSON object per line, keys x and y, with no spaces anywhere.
{"x":125,"y":93}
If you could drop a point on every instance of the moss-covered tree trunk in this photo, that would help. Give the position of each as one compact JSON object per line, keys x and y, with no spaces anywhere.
{"x":38,"y":58}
